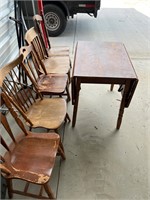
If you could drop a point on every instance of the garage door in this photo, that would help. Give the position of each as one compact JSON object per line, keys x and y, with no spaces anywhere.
{"x":8,"y":38}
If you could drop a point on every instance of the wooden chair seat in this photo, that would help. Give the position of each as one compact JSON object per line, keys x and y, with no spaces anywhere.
{"x":58,"y":51}
{"x":52,"y":84}
{"x":59,"y":65}
{"x":48,"y":113}
{"x":33,"y":157}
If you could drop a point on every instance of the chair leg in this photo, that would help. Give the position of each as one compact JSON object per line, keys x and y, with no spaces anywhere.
{"x":49,"y":191}
{"x":70,"y":63}
{"x":10,"y":188}
{"x":69,"y":77}
{"x":67,"y":117}
{"x":61,"y":151}
{"x":68,"y":93}
{"x":61,"y":146}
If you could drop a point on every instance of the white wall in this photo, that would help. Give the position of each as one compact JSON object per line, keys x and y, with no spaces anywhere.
{"x":8,"y":38}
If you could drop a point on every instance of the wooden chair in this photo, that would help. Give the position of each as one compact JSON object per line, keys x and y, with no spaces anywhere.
{"x":29,"y":157}
{"x":48,"y":84}
{"x":39,"y":23}
{"x":49,"y":113}
{"x":57,"y":64}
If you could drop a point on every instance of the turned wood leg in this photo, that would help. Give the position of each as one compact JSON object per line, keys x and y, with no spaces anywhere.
{"x":68,"y":93}
{"x":49,"y":191}
{"x":121,"y":111}
{"x":61,"y":151}
{"x":122,"y":105}
{"x":10,"y":188}
{"x":75,"y":112}
{"x":69,"y":77}
{"x":67,"y":117}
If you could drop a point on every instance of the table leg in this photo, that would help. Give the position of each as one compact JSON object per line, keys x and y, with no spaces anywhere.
{"x":111,"y":87}
{"x":121,"y":111}
{"x":122,"y":105}
{"x":75,"y":108}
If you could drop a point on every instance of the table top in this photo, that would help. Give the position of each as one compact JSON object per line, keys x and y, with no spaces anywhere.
{"x":102,"y":60}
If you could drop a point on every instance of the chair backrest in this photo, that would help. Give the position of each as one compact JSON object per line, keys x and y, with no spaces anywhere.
{"x":40,"y":26}
{"x":31,"y":63}
{"x":15,"y":116}
{"x":13,"y":138}
{"x":21,"y":95}
{"x":31,"y":37}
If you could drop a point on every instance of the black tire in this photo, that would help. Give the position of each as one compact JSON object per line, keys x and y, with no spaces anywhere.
{"x":55,"y":20}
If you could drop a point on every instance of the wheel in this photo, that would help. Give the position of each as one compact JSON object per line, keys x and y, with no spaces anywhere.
{"x":55,"y":20}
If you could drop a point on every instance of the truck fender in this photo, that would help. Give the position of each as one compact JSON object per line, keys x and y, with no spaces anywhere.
{"x":66,"y":8}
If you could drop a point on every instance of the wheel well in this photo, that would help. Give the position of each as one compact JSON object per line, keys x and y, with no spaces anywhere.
{"x":59,"y":4}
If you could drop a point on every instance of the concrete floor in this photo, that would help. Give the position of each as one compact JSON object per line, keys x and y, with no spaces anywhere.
{"x":103,"y":163}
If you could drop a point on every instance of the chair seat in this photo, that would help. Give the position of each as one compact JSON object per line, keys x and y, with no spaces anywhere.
{"x":47,"y":113}
{"x":33,"y":157}
{"x":58,"y":51}
{"x":58,"y":65}
{"x":52,"y":83}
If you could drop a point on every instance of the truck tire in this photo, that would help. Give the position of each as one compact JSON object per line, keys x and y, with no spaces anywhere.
{"x":55,"y":20}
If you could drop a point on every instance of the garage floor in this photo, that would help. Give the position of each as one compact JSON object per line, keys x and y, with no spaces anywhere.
{"x":103,"y":163}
